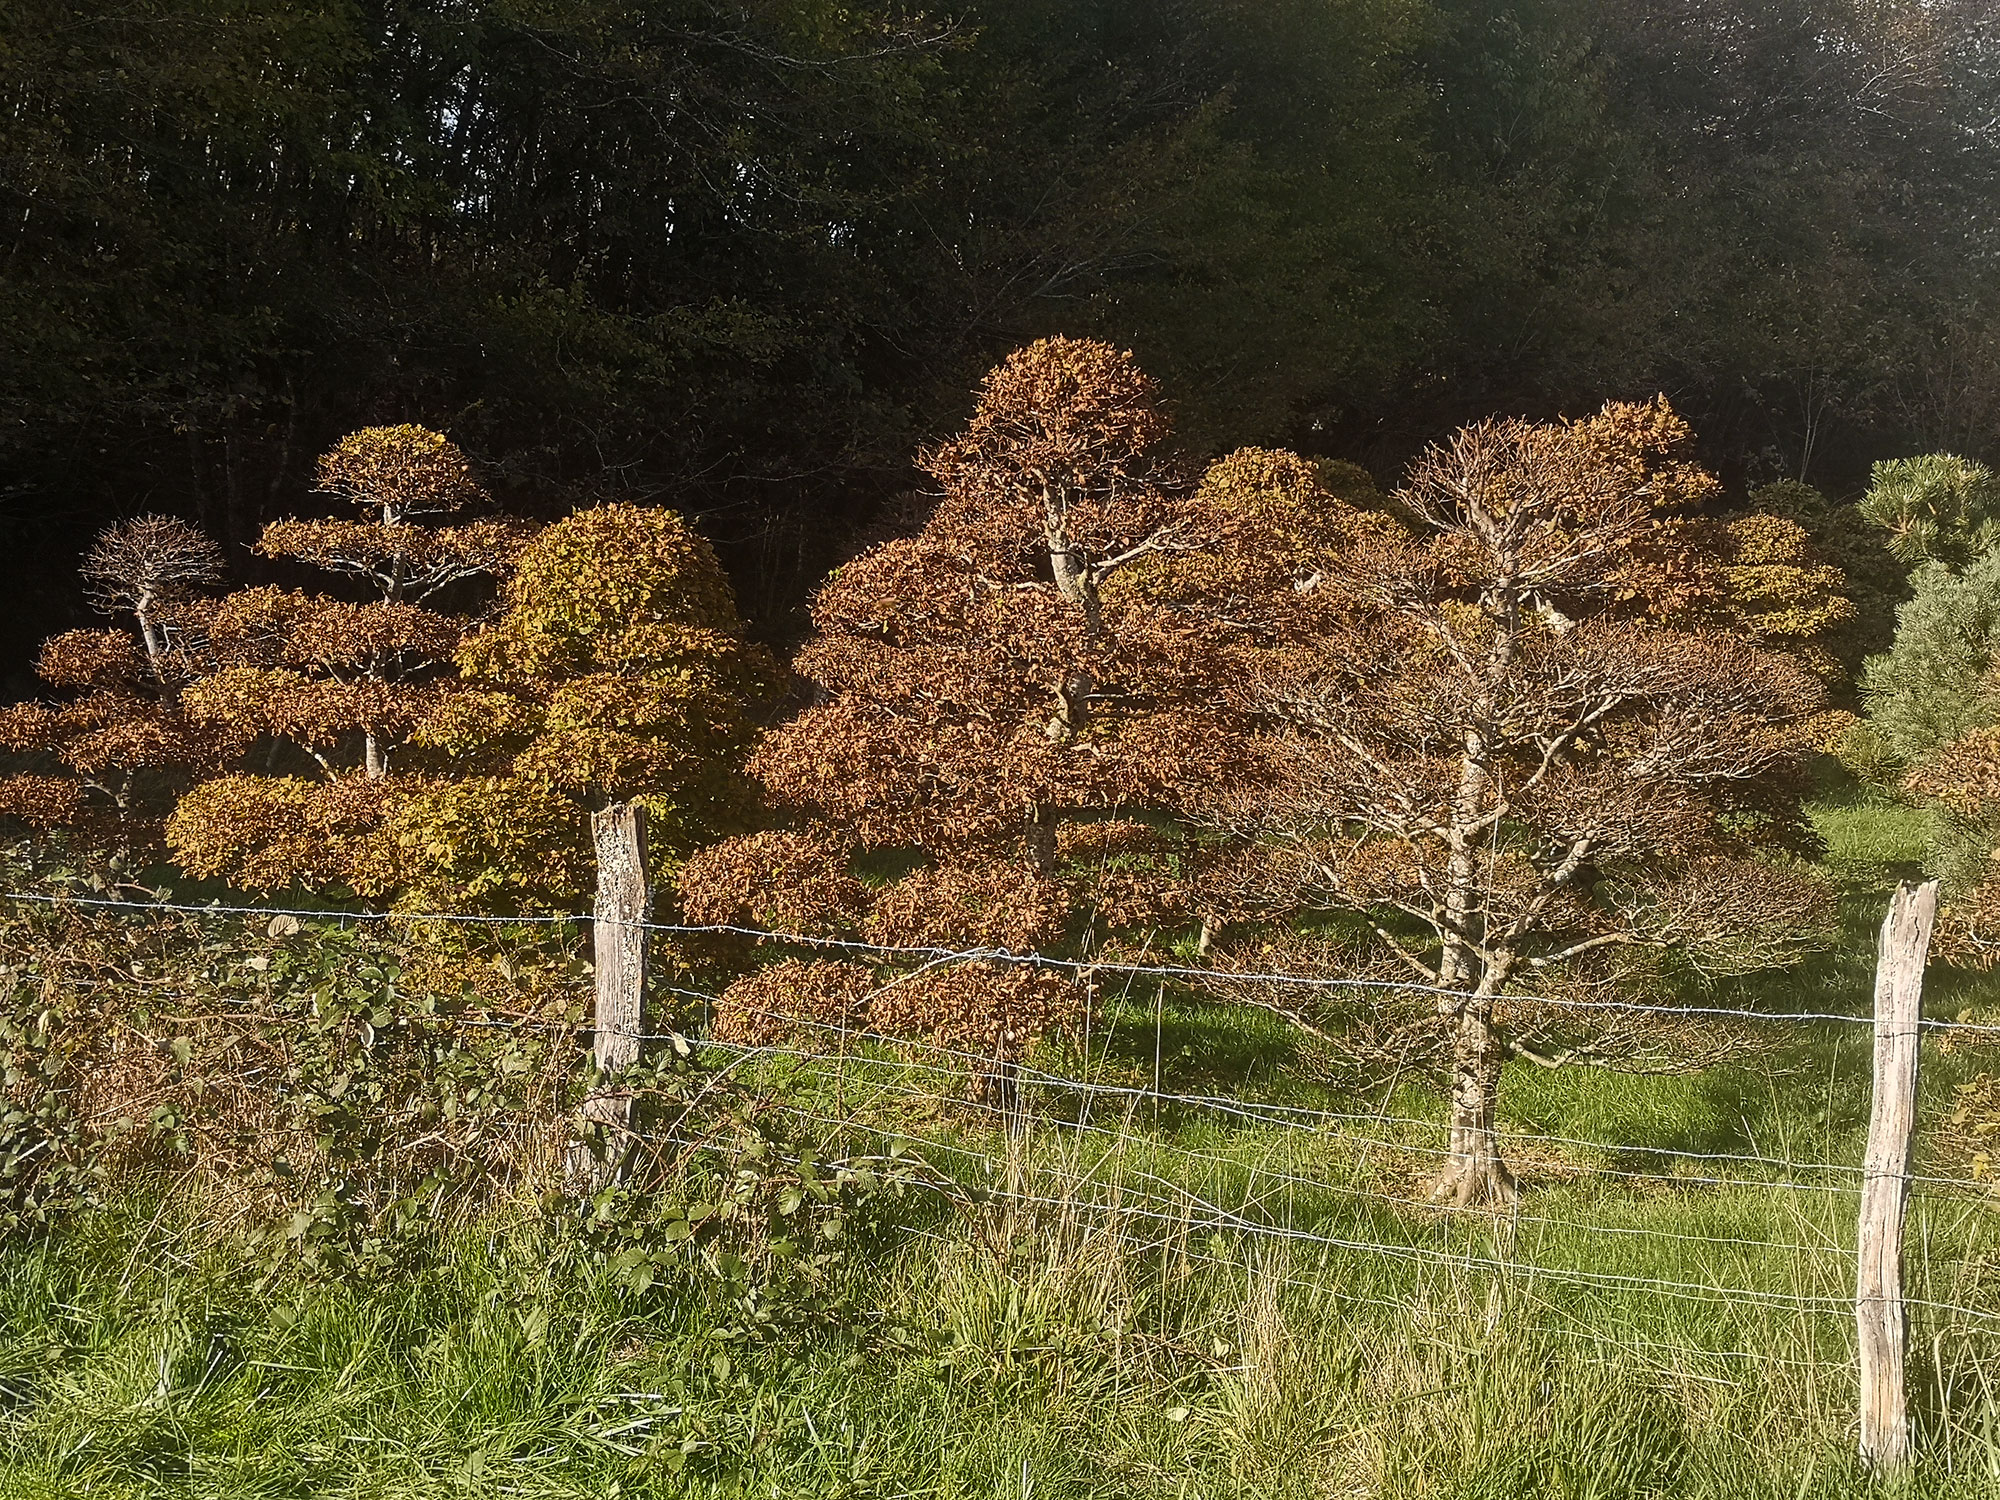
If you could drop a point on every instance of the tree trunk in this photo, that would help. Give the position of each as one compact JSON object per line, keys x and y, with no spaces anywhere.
{"x":1068,"y":564}
{"x":151,"y":633}
{"x":1041,"y":839}
{"x":1474,"y":1174}
{"x":1072,"y":705}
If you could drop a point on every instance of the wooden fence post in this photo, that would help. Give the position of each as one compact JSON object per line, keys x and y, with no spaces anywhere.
{"x":1885,"y":1183}
{"x":618,"y":952}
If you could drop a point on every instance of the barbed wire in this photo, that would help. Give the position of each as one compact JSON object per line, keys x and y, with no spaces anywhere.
{"x":317,"y":913}
{"x":1197,"y":1212}
{"x":1287,"y":1116}
{"x":1188,"y":1223}
{"x":1002,"y":955}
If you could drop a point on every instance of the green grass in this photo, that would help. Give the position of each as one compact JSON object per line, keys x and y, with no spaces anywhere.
{"x":1084,"y":1332}
{"x":1076,"y":1367}
{"x":1074,"y":1363}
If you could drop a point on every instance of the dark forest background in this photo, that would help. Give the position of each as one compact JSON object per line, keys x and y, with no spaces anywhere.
{"x":743,"y":258}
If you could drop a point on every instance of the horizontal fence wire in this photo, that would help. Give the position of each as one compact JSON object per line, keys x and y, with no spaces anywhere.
{"x":1138,"y":1096}
{"x":1278,"y":1177}
{"x":1304,"y":1116}
{"x":1258,"y":1112}
{"x":889,"y":952}
{"x":1282,"y":1116}
{"x":1288,"y":1117}
{"x":1415,"y":1307}
{"x":1135,"y":1193}
{"x":1297,"y":1114}
{"x":1188,"y":1212}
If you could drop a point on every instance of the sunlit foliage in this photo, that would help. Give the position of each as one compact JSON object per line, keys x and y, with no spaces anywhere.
{"x":616,"y":669}
{"x":1049,"y":649}
{"x":105,"y":759}
{"x":1028,"y":699}
{"x":338,"y":686}
{"x":1543,"y":724}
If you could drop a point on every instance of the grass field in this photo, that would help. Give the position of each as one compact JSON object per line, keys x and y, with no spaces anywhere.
{"x":1113,"y":1299}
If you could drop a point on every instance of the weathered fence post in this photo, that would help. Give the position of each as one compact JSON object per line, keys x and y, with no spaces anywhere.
{"x":1885,"y":1183}
{"x":618,"y":943}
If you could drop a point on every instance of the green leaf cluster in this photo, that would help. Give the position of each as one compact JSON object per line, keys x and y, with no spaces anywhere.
{"x":1936,"y":508}
{"x":1933,"y":683}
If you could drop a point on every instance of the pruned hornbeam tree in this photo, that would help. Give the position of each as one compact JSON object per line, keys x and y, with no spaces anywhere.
{"x":397,"y":477}
{"x":151,"y":567}
{"x":615,"y":673}
{"x":336,"y":688}
{"x":1023,"y":701}
{"x":105,"y":758}
{"x":1538,"y":739}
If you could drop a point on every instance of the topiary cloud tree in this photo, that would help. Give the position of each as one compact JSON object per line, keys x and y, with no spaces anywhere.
{"x":338,"y":687}
{"x":1021,"y":700}
{"x":1872,"y":578}
{"x":105,"y":760}
{"x":615,"y":671}
{"x":1537,"y":739}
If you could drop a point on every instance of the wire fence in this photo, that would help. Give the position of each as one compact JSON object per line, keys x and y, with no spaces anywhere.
{"x":1319,"y":1181}
{"x":908,"y":1052}
{"x":900,"y":953}
{"x":1145,"y":1193}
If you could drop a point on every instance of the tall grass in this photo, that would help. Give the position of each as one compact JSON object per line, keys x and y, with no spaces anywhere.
{"x":1066,"y":1349}
{"x":1100,"y":1301}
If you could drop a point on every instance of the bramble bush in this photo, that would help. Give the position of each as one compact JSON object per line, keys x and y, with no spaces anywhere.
{"x":336,"y":1079}
{"x":345,"y":1092}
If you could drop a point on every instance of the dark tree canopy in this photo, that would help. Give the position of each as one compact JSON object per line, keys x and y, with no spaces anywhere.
{"x":744,"y":257}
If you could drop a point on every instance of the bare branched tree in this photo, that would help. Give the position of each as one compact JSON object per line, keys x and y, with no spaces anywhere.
{"x":1530,"y":737}
{"x":145,"y":565}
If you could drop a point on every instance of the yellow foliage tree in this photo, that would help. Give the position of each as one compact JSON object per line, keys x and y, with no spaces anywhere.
{"x":616,"y":670}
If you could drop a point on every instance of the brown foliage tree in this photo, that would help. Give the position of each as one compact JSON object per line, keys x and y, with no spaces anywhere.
{"x":343,"y":685}
{"x":1054,"y":646}
{"x":1535,"y":732}
{"x":105,"y":759}
{"x":146,"y":568}
{"x":794,"y":1001}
